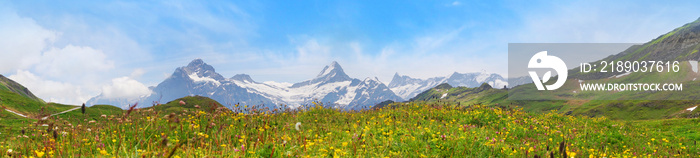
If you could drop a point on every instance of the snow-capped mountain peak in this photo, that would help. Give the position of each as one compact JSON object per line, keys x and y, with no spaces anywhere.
{"x":332,"y":86}
{"x":201,"y":79}
{"x":333,"y":71}
{"x":330,"y":74}
{"x":242,"y":77}
{"x":370,"y":80}
{"x":408,"y":87}
{"x":398,"y":80}
{"x":201,"y":70}
{"x":334,"y":67}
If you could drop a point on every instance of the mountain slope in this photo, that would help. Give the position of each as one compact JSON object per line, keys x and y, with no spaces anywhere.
{"x":197,"y":78}
{"x":408,"y":87}
{"x":330,"y":74}
{"x":331,"y":85}
{"x":680,"y":44}
{"x":18,"y":99}
{"x":7,"y":84}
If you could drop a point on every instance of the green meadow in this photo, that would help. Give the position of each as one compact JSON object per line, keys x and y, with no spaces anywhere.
{"x":203,"y":128}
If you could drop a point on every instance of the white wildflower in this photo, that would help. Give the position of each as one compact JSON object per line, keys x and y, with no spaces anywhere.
{"x":298,"y":126}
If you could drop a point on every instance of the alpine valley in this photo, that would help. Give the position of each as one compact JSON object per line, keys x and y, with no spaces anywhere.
{"x":331,"y":86}
{"x":407,"y":87}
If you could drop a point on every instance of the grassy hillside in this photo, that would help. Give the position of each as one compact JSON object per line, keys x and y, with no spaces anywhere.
{"x":415,"y":129}
{"x":19,"y":103}
{"x":578,"y":104}
{"x":94,"y":112}
{"x":8,"y":85}
{"x":483,"y":94}
{"x":624,"y":104}
{"x":680,"y":44}
{"x":9,"y":121}
{"x":18,"y":98}
{"x":190,"y":103}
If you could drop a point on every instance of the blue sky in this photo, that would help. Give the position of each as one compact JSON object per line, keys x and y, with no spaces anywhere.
{"x":70,"y":51}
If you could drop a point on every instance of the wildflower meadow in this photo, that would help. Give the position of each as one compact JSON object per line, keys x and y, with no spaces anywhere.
{"x":415,"y":129}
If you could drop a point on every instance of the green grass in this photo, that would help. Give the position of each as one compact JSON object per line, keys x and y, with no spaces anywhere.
{"x":680,"y":127}
{"x":11,"y":121}
{"x":415,"y":129}
{"x":627,"y":105}
{"x":14,"y":87}
{"x":191,"y":101}
{"x":14,"y":97}
{"x":91,"y":113}
{"x":18,"y":103}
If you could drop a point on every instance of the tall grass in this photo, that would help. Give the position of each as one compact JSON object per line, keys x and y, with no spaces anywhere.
{"x":416,"y":129}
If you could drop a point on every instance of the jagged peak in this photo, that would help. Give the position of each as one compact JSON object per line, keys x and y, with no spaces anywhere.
{"x":396,"y":80}
{"x":201,"y":69}
{"x":198,"y":64}
{"x":371,"y":79}
{"x":333,"y":69}
{"x":397,"y":77}
{"x":399,"y":80}
{"x":454,"y":74}
{"x":333,"y":72}
{"x":330,"y":73}
{"x":242,"y":77}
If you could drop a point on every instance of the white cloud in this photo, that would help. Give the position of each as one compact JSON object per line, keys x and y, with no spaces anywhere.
{"x":124,"y":87}
{"x":50,"y":91}
{"x":73,"y":61}
{"x":67,"y":66}
{"x":83,"y":48}
{"x":137,"y":73}
{"x":21,"y":41}
{"x":312,"y":51}
{"x":438,"y":53}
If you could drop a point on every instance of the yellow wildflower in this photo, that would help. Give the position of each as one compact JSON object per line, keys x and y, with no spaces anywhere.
{"x":39,"y":153}
{"x":104,"y":152}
